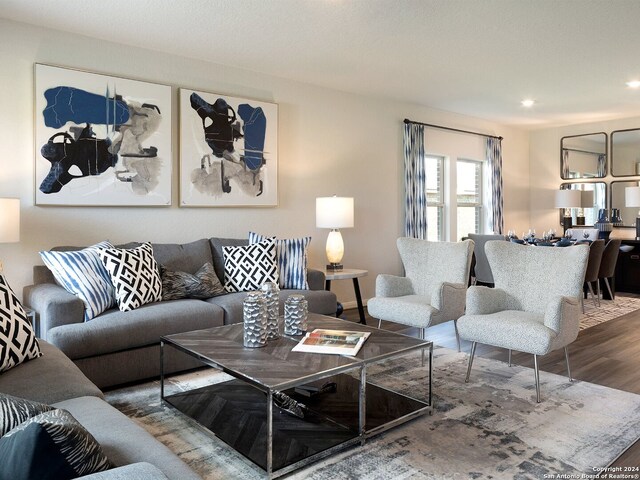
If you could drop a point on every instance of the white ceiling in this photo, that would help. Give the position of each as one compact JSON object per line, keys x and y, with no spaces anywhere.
{"x":474,"y":57}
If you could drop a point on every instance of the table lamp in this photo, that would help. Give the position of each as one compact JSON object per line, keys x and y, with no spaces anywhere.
{"x":334,"y":213}
{"x":568,"y":199}
{"x":9,"y":221}
{"x":632,"y":199}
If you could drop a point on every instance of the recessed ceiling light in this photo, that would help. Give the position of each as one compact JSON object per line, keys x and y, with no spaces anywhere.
{"x":633,"y":84}
{"x":527,"y":102}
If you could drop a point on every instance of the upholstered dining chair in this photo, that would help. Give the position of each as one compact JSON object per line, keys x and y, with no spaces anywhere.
{"x":535,"y":305}
{"x":482,"y":270}
{"x":608,"y":263}
{"x":433,"y":289}
{"x":596,"y":249}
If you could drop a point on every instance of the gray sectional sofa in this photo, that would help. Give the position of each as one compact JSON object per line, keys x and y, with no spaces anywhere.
{"x":55,"y":380}
{"x":120,"y":347}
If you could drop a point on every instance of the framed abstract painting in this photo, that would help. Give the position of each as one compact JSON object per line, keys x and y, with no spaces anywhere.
{"x":228,"y":151}
{"x":101,"y":140}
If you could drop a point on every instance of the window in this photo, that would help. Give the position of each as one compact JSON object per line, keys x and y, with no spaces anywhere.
{"x":469,"y":197}
{"x":434,"y":167}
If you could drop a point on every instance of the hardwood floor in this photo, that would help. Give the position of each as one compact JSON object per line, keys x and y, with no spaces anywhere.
{"x":607,"y":354}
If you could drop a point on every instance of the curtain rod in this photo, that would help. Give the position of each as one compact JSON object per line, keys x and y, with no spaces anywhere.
{"x":583,"y":151}
{"x":406,"y":120}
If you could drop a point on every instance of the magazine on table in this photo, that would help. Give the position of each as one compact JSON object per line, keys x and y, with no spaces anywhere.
{"x":337,"y":342}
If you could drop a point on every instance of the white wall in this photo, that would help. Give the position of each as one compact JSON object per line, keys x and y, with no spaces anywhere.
{"x":545,"y":169}
{"x":330,"y":142}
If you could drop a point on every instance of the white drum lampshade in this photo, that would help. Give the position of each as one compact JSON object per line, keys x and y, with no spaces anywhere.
{"x":568,"y":199}
{"x":334,"y":213}
{"x":632,"y":199}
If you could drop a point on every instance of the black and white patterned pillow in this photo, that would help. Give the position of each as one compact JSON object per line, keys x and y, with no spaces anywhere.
{"x":17,"y":339}
{"x":202,"y":284}
{"x":248,"y":267}
{"x":51,"y":445}
{"x":14,"y":411}
{"x":134,"y":274}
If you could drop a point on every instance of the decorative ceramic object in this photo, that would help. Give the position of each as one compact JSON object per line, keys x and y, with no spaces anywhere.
{"x":270,"y":291}
{"x":616,"y":219}
{"x":295,"y":315}
{"x":255,"y":320}
{"x":603,"y":224}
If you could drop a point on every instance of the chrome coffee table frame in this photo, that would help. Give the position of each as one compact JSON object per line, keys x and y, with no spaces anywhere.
{"x":221,"y":348}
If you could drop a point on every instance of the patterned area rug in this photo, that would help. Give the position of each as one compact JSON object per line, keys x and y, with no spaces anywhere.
{"x":490,"y":428}
{"x":609,"y":309}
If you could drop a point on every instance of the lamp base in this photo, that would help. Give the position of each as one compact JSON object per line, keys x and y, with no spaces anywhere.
{"x":335,"y":266}
{"x":580,"y":221}
{"x":566,"y":223}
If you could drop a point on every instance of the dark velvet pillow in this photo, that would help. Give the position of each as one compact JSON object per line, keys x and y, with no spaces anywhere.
{"x":50,"y":446}
{"x":202,"y":284}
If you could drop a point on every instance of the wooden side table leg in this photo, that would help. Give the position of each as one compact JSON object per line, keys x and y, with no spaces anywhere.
{"x":356,"y":288}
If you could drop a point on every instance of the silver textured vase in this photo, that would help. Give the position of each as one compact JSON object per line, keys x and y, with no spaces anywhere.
{"x":270,"y":291}
{"x":254,"y":312}
{"x":295,"y":315}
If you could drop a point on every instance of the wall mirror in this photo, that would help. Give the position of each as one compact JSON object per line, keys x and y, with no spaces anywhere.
{"x":591,"y":202}
{"x":627,"y":214}
{"x":583,"y":156}
{"x":625,"y":152}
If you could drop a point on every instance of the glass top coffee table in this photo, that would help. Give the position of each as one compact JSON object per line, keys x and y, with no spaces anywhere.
{"x":241,"y":411}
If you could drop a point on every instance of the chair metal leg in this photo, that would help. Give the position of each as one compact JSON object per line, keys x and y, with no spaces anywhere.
{"x":598,"y":291}
{"x":473,"y":352}
{"x":379,"y":323}
{"x":608,"y":285}
{"x":566,"y":357}
{"x":593,"y":295}
{"x":455,"y":326}
{"x":422,"y":337}
{"x":509,"y":357}
{"x":537,"y":375}
{"x":582,"y":302}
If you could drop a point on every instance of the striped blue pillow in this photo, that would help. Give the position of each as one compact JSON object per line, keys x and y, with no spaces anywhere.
{"x":292,"y":260}
{"x":82,"y":273}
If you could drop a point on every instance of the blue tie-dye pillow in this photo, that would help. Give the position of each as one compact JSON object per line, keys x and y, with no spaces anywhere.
{"x":82,"y":273}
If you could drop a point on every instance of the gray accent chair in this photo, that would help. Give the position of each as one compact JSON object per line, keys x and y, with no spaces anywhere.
{"x":433,"y":289}
{"x":535,"y":305}
{"x":482,"y":270}
{"x":608,"y":264}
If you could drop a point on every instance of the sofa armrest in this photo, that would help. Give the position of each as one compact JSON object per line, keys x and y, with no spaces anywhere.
{"x":315,"y":279}
{"x":450,"y":299}
{"x":54,"y":305}
{"x":139,"y":471}
{"x":392,"y":286}
{"x":485,"y":300}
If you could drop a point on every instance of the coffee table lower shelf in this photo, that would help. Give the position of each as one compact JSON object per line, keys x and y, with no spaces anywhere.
{"x":236,"y":412}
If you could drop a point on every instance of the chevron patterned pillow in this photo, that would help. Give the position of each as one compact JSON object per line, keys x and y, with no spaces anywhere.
{"x":292,"y":260}
{"x":17,"y":339}
{"x":134,"y":274}
{"x":248,"y":267}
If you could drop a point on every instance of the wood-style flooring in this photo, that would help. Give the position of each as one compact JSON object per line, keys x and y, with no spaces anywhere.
{"x":606,"y":354}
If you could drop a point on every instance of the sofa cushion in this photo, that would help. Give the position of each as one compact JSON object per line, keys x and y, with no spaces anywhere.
{"x":319,"y":301}
{"x":248,"y":267}
{"x":122,"y":440}
{"x":202,"y":284}
{"x":187,"y":257}
{"x":17,"y":339}
{"x":114,"y":331}
{"x":139,"y":471}
{"x":33,"y":379}
{"x":15,"y":410}
{"x":292,"y":260}
{"x":50,"y":446}
{"x":82,"y":273}
{"x":134,"y":274}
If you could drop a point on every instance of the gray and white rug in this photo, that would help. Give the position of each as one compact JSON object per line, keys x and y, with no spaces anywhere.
{"x":490,"y":428}
{"x":608,"y":309}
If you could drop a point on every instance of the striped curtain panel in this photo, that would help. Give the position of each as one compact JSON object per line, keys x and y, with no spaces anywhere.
{"x":415,"y":182}
{"x":602,"y":165}
{"x":494,"y":159}
{"x":565,"y":163}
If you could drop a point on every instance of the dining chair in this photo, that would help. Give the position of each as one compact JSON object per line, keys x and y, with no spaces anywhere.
{"x":482,"y":271}
{"x":534,"y":306}
{"x":608,"y":264}
{"x":433,"y":289}
{"x":596,"y":249}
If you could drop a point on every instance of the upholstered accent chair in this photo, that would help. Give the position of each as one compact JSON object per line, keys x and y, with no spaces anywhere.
{"x":433,"y":289}
{"x":535,"y":305}
{"x":482,"y":270}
